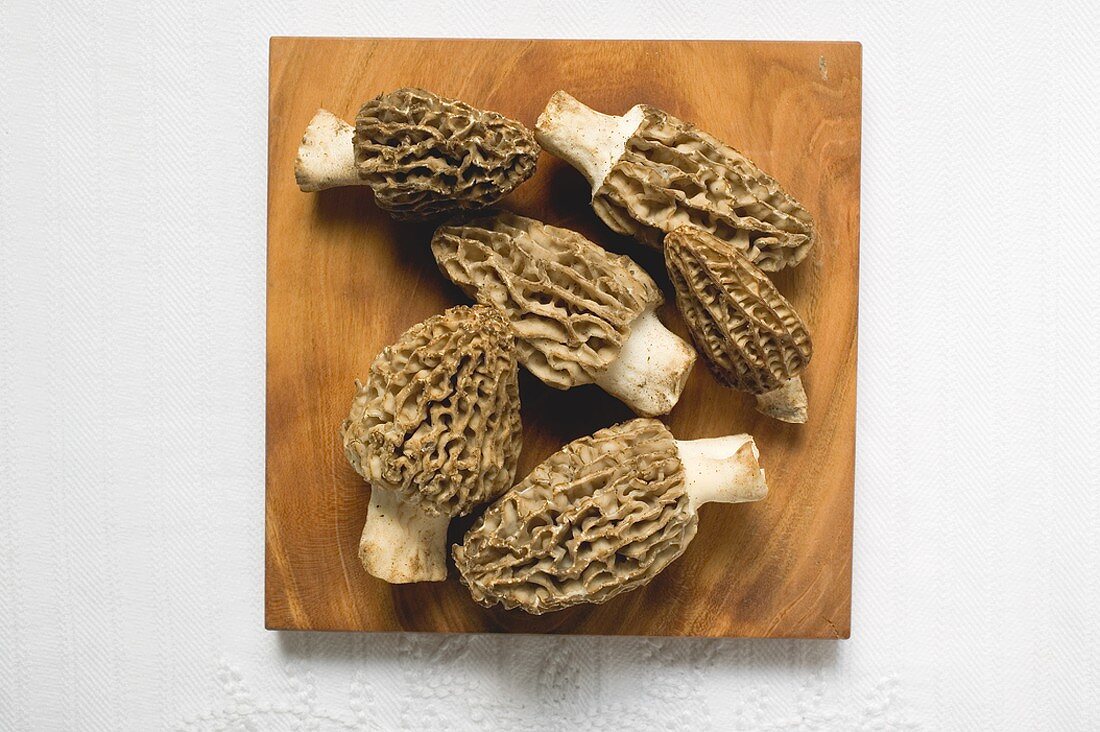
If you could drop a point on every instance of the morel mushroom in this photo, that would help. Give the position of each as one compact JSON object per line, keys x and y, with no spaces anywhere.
{"x":423,"y":155}
{"x":581,"y":314}
{"x":436,"y":431}
{"x":602,"y":516}
{"x":748,"y":333}
{"x":651,"y":173}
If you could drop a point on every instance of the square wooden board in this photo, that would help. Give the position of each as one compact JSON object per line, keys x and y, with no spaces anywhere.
{"x":344,"y":280}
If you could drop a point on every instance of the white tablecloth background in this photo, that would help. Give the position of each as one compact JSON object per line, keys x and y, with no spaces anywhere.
{"x":132,"y":216}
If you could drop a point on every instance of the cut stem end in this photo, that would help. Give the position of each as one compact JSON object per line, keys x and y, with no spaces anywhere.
{"x":401,"y":542}
{"x":787,"y":403}
{"x":588,"y":140}
{"x":722,"y":469}
{"x":652,"y":367}
{"x":326,"y":157}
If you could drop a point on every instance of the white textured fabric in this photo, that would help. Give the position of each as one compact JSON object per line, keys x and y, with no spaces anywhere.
{"x":132,"y":216}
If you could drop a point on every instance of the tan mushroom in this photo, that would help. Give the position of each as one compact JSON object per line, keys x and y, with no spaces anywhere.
{"x":581,"y":314}
{"x":436,"y":431}
{"x":423,"y":155}
{"x":748,"y":333}
{"x":651,"y":173}
{"x":602,"y":516}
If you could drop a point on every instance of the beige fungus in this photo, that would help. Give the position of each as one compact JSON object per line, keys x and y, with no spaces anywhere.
{"x":749,"y":334}
{"x":581,"y":314}
{"x":602,"y":516}
{"x":652,"y":173}
{"x":423,"y":155}
{"x":435,"y":430}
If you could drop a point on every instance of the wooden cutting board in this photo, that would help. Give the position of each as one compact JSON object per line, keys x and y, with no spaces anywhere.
{"x":344,"y":280}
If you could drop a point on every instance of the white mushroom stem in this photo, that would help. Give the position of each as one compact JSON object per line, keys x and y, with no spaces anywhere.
{"x":326,"y":157}
{"x":787,"y":403}
{"x":401,"y":542}
{"x":722,"y":469}
{"x":651,"y":369}
{"x":588,"y":140}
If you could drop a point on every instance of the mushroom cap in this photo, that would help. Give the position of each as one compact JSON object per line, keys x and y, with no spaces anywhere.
{"x":438,"y":417}
{"x":749,"y":334}
{"x":672,"y":174}
{"x":570,"y":301}
{"x":602,"y":516}
{"x":425,"y":155}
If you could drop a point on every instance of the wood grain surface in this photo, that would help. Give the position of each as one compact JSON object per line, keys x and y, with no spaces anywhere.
{"x":344,"y":280}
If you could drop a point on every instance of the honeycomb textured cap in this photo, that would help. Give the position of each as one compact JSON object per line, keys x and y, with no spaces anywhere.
{"x":424,"y":155}
{"x":749,"y":334}
{"x":570,"y":301}
{"x":672,"y":174}
{"x":602,"y":516}
{"x":438,"y":417}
